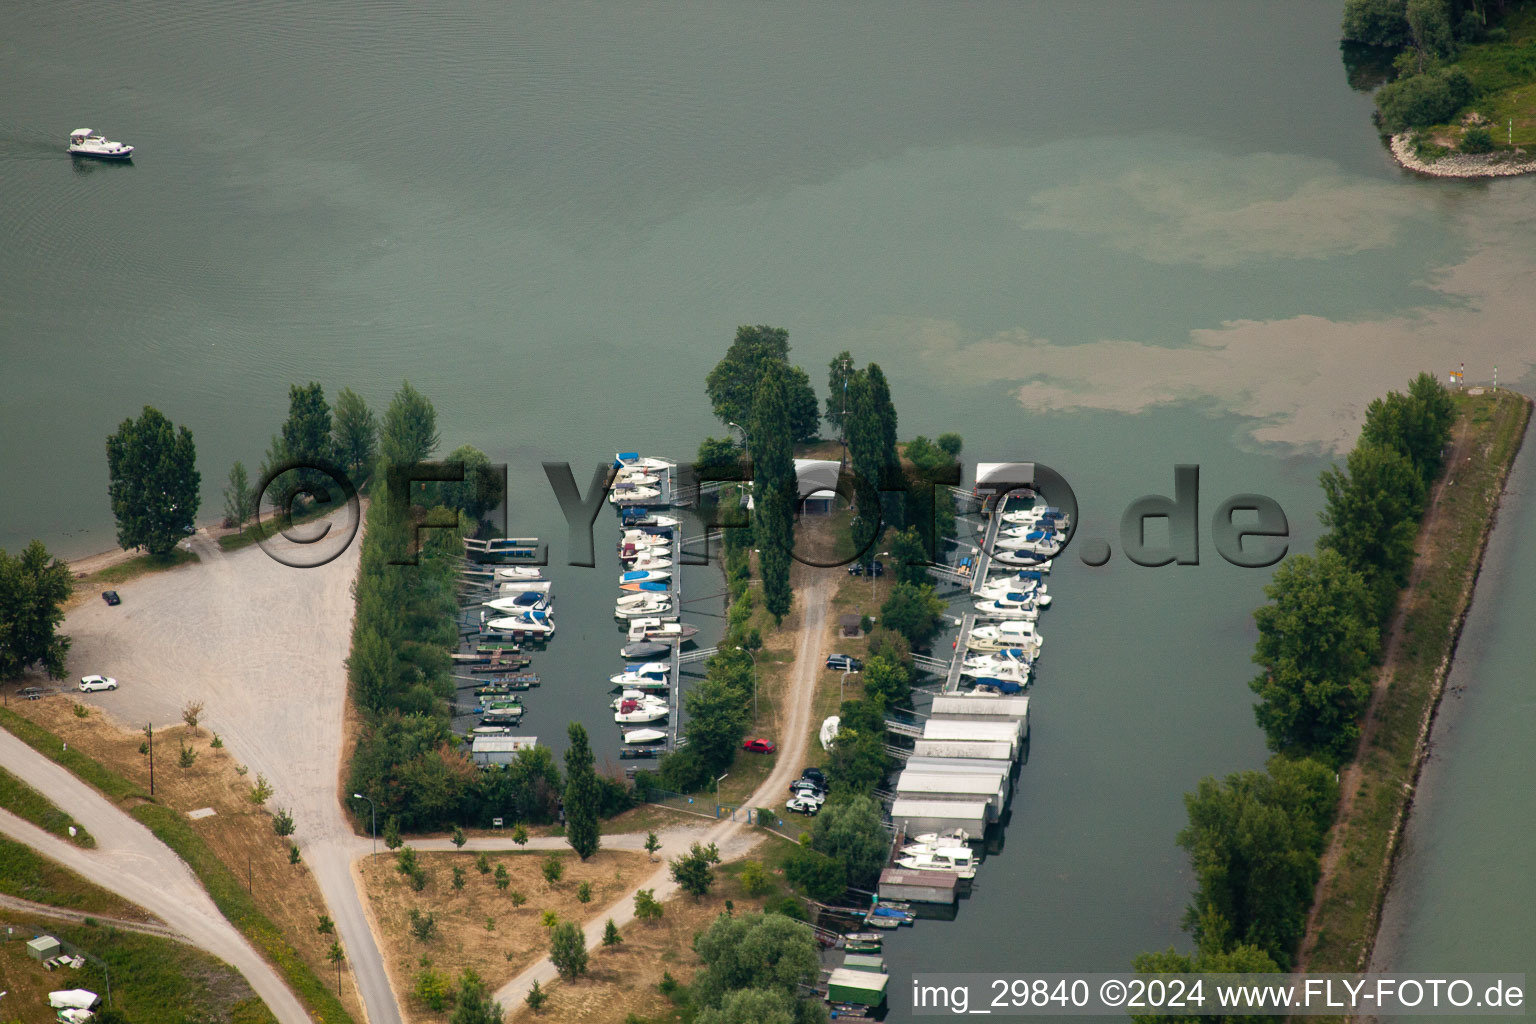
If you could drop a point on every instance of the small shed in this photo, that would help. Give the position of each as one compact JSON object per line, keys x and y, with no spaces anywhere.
{"x":916,"y":886}
{"x":864,"y":962}
{"x":44,"y":947}
{"x":489,"y":750}
{"x":861,"y":988}
{"x":849,"y":625}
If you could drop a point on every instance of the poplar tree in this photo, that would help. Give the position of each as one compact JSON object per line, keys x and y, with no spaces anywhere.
{"x":774,"y":488}
{"x":354,"y":434}
{"x":153,"y":482}
{"x":581,"y":794}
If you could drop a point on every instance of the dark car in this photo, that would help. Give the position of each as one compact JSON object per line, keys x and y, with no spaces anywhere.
{"x":110,"y":596}
{"x":875,"y":568}
{"x":844,"y":663}
{"x":814,"y":775}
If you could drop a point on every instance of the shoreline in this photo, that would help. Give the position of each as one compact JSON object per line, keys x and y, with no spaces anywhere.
{"x":1364,"y":842}
{"x":1457,"y":165}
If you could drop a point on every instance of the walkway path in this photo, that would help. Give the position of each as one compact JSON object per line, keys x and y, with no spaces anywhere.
{"x":22,"y":906}
{"x":131,"y":862}
{"x":732,"y":837}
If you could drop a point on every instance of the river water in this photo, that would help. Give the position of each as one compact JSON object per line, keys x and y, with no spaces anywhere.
{"x":1108,"y":239}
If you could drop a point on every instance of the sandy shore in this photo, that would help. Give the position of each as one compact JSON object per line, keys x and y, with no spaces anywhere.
{"x":1458,"y":165}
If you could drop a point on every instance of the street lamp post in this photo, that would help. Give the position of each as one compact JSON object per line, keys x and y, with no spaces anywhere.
{"x":717,"y":793}
{"x":374,"y":811}
{"x":754,"y":683}
{"x":746,"y":445}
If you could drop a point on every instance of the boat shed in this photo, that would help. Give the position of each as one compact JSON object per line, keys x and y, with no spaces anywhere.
{"x":861,"y":988}
{"x":968,"y":729}
{"x":864,"y":962}
{"x":918,"y":886}
{"x":44,"y":947}
{"x":917,"y":816}
{"x":999,"y":709}
{"x":488,"y":750}
{"x":921,"y":785}
{"x":977,"y":750}
{"x":1000,"y":477}
{"x":970,"y":765}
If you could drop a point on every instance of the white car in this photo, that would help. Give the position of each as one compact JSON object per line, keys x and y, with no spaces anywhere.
{"x":801,"y":805}
{"x":90,"y":684}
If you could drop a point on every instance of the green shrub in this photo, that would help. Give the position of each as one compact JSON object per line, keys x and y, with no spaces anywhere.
{"x":1477,"y":140}
{"x":1423,"y":100}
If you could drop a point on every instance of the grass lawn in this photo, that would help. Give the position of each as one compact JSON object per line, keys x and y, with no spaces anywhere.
{"x":151,"y":979}
{"x":480,"y":925}
{"x":235,"y":854}
{"x":25,"y":802}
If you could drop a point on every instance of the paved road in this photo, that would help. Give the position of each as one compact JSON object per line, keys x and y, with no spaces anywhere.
{"x":733,"y":838}
{"x":131,"y":862}
{"x":264,"y":645}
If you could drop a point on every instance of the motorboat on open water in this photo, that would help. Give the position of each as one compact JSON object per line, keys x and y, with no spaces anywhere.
{"x":84,"y":142}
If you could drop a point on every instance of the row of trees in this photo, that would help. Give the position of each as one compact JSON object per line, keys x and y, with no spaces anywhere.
{"x":1319,"y":635}
{"x":1256,"y":839}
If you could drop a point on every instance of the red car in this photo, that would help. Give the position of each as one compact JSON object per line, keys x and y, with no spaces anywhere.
{"x":759,"y":746}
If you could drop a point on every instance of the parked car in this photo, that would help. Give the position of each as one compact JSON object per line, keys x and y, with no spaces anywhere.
{"x":800,"y":805}
{"x":816,"y":776}
{"x":110,"y":596}
{"x":808,"y":790}
{"x":875,"y":568}
{"x":90,"y":684}
{"x":759,"y":746}
{"x":30,"y":693}
{"x":844,"y":663}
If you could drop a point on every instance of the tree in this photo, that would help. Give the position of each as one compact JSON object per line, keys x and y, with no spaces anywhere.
{"x":647,"y":907}
{"x":458,"y":838}
{"x":520,"y":835}
{"x":766,"y":952}
{"x":652,"y":844}
{"x":282,"y":822}
{"x":750,"y":1006}
{"x":859,"y":760}
{"x":732,"y":384}
{"x":192,"y":713}
{"x":1376,"y":22}
{"x":719,"y":710}
{"x":553,"y":868}
{"x":458,"y":878}
{"x":1241,"y":959}
{"x":482,"y":863}
{"x":536,"y":998}
{"x":1423,"y":100}
{"x":840,"y":372}
{"x":804,"y":415}
{"x":1316,"y":641}
{"x":1429,"y":22}
{"x":754,"y":878}
{"x":475,"y":1004}
{"x":306,"y":433}
{"x":888,"y":679}
{"x":694,"y":871}
{"x":355,"y":434}
{"x":188,"y":756}
{"x":568,"y":950}
{"x":392,"y":838}
{"x":326,"y":925}
{"x":1476,"y":139}
{"x":774,"y":488}
{"x":716,"y":457}
{"x":239,"y":498}
{"x":335,"y":955}
{"x":408,"y":434}
{"x":153,"y":482}
{"x":33,"y":588}
{"x":852,"y":831}
{"x":1372,"y":510}
{"x":433,"y":988}
{"x":482,"y":488}
{"x":581,"y":794}
{"x":819,"y":876}
{"x":423,"y":926}
{"x":503,"y":879}
{"x":914,"y":611}
{"x":910,"y":557}
{"x":611,"y":936}
{"x":1254,"y":841}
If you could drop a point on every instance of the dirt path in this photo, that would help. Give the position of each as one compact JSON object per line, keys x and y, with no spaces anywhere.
{"x":79,"y":917}
{"x":264,"y":645}
{"x":131,"y":862}
{"x":733,"y":838}
{"x":1349,"y":779}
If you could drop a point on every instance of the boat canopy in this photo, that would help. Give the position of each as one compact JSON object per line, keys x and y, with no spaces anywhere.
{"x":79,"y":131}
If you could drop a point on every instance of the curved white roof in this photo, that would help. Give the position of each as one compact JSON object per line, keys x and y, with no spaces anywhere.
{"x":80,"y":131}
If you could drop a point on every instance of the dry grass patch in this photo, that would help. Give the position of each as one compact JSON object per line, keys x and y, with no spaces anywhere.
{"x":462,"y":939}
{"x":239,"y":832}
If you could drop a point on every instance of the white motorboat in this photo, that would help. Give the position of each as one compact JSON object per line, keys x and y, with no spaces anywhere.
{"x":1011,"y":589}
{"x":641,"y":713}
{"x":84,"y":142}
{"x":634,"y":460}
{"x":641,"y":696}
{"x":655,"y":520}
{"x":644,"y":576}
{"x":638,"y":680}
{"x":650,"y":606}
{"x":1011,"y":673}
{"x":959,"y":835}
{"x":1026,"y":558}
{"x":1003,"y":609}
{"x":1037,"y":514}
{"x":649,"y":562}
{"x":520,"y":572}
{"x":1014,"y":633}
{"x":638,"y":598}
{"x":638,"y":477}
{"x":644,"y":736}
{"x":524,"y":602}
{"x":532,"y":623}
{"x":524,"y":587}
{"x":661,"y":632}
{"x":632,"y":492}
{"x":927,"y":862}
